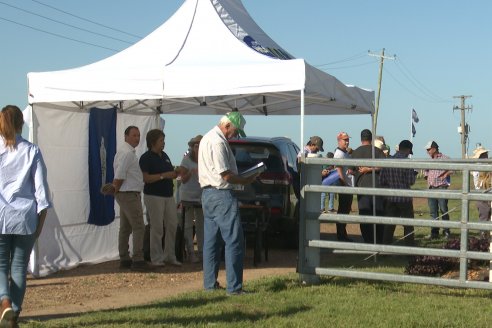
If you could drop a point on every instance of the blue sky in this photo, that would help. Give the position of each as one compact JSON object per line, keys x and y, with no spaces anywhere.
{"x":442,"y":50}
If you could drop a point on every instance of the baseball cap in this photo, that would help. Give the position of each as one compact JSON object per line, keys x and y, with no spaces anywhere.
{"x":342,"y":135}
{"x":406,"y":144}
{"x":366,"y":134}
{"x":238,"y":121}
{"x":431,"y":144}
{"x":317,"y":141}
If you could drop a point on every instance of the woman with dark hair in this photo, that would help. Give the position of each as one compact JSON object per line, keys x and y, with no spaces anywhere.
{"x":23,"y":203}
{"x":158,"y":175}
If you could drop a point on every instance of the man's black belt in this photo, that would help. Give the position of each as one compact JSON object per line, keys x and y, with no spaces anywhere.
{"x":439,"y":187}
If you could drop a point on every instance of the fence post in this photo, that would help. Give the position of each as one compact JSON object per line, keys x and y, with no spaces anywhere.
{"x":464,"y":221}
{"x":309,"y":229}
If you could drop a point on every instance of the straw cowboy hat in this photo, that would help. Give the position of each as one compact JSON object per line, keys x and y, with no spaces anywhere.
{"x":479,"y":151}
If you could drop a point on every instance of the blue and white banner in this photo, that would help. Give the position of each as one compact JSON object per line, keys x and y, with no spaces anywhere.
{"x":102,"y":149}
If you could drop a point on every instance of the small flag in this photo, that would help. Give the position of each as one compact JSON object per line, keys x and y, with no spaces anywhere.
{"x":413,"y":130}
{"x":414,"y":116}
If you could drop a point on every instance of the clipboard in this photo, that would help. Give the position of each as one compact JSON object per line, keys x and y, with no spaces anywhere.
{"x":258,"y":168}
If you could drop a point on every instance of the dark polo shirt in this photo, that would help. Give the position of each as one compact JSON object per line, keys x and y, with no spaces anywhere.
{"x":153,"y":163}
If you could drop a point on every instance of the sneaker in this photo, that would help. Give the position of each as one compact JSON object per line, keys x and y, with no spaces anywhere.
{"x":158,"y":264}
{"x":447,"y":234}
{"x":125,"y":264}
{"x":8,"y":313}
{"x":332,"y":210}
{"x":238,"y":293}
{"x":141,"y":266}
{"x":175,"y":262}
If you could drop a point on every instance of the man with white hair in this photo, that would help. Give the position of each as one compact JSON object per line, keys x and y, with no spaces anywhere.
{"x":218,"y":176}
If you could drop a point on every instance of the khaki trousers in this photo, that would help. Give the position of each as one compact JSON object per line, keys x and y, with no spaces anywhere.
{"x":131,"y":222}
{"x":162,"y":215}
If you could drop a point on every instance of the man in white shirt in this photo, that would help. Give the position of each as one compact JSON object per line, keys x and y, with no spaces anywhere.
{"x":218,"y":176}
{"x":346,"y":179}
{"x":128,"y":184}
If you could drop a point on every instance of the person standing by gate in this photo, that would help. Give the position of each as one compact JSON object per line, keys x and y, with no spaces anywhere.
{"x":437,"y":179}
{"x":218,"y":176}
{"x":363,"y":178}
{"x":399,"y":206}
{"x":345,"y":179}
{"x":482,"y":181}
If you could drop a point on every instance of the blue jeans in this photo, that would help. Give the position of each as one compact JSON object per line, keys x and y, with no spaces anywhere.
{"x":15,"y":251}
{"x":222,"y":224}
{"x":331,"y":201}
{"x":434,"y":206}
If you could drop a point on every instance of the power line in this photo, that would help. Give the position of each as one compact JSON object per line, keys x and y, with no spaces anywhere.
{"x":416,"y":82}
{"x":87,"y":20}
{"x":62,"y":23}
{"x":58,"y":35}
{"x":343,"y":67}
{"x":354,"y":57}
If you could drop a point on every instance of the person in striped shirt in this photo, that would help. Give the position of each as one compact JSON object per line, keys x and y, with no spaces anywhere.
{"x":437,"y":179}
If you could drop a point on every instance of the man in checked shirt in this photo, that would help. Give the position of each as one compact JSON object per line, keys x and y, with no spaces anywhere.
{"x":398,"y":206}
{"x":437,"y":179}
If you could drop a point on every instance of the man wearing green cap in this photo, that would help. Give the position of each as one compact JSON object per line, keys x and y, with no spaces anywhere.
{"x":218,"y":176}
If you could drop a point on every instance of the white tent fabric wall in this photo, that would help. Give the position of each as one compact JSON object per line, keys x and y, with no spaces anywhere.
{"x":209,"y":58}
{"x":67,"y":239}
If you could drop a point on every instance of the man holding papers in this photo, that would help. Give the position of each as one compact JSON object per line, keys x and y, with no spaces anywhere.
{"x":218,"y":175}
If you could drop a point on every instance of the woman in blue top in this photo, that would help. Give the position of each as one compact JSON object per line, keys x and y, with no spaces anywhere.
{"x":23,"y":203}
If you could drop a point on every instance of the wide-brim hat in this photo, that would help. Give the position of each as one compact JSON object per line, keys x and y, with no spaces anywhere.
{"x":479,"y":151}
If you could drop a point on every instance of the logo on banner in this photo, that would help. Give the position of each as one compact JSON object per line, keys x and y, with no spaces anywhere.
{"x":270,"y":52}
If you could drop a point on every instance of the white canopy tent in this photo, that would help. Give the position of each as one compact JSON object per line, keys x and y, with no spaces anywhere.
{"x":210,"y":57}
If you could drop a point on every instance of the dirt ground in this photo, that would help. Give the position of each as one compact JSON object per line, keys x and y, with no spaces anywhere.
{"x":105,"y":286}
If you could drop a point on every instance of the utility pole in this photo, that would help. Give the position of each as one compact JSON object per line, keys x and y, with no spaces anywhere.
{"x":382,"y":58}
{"x":464,"y":128}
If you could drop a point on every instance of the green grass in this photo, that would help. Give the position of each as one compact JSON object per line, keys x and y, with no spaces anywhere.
{"x":283,"y":302}
{"x":337,"y":302}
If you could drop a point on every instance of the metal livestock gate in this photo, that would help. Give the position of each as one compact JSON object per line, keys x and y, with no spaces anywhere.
{"x":310,"y":243}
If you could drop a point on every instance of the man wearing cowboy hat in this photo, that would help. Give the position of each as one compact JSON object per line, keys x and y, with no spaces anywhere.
{"x":482,"y":181}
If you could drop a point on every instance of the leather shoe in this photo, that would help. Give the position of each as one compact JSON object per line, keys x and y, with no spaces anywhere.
{"x":141,"y":266}
{"x":125,"y":264}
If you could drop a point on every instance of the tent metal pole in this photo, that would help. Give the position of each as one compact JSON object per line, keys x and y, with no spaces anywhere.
{"x":302,"y":119}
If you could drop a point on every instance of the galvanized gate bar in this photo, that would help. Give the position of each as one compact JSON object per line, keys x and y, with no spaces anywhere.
{"x":310,"y":219}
